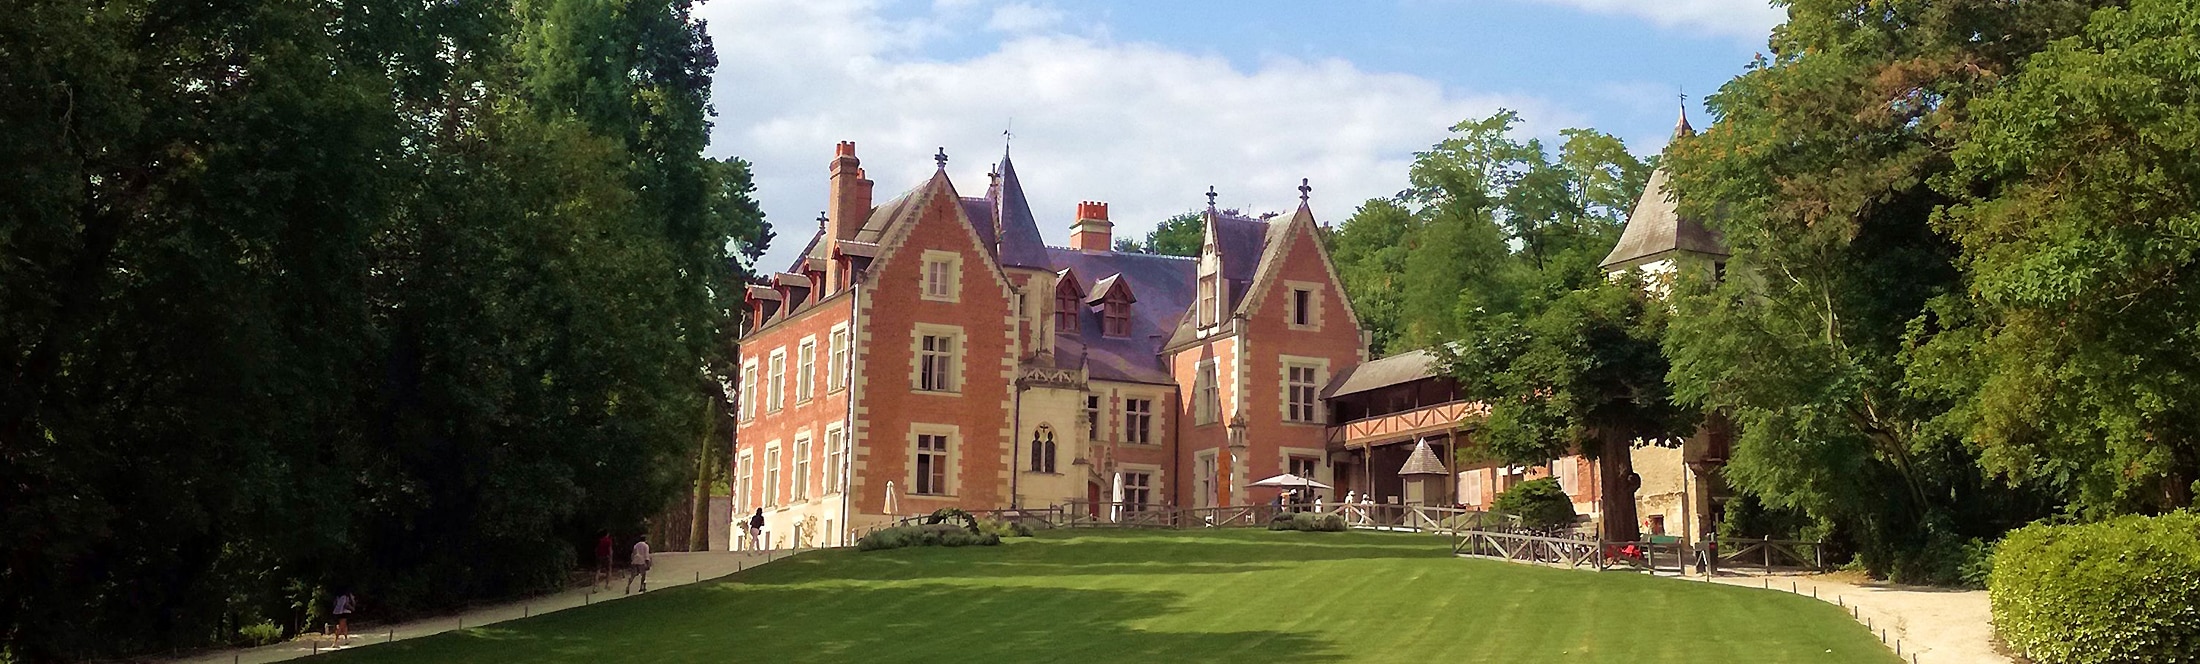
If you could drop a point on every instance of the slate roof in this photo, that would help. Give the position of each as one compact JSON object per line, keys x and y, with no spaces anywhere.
{"x":1656,"y":227}
{"x":1018,"y":233}
{"x":1163,"y":286}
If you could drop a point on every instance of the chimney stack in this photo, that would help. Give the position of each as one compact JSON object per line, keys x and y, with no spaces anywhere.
{"x":848,"y":204}
{"x":1092,"y":232}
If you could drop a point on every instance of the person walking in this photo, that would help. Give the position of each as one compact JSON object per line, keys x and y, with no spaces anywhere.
{"x":344,"y":606}
{"x":603,"y":560}
{"x":637,"y":564}
{"x":756,"y":531}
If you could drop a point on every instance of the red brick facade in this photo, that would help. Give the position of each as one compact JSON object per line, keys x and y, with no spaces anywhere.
{"x":976,"y":357}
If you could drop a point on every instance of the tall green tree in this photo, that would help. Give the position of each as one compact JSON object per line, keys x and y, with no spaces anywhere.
{"x":1178,"y":235}
{"x":1579,"y":368}
{"x":2078,"y":216}
{"x":388,"y":296}
{"x":1817,"y":172}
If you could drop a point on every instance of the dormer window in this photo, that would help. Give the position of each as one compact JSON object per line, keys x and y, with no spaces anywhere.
{"x":1210,"y":300}
{"x":1116,"y":316}
{"x":1065,"y":313}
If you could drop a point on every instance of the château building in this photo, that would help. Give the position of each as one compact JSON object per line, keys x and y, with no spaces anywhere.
{"x":932,"y":351}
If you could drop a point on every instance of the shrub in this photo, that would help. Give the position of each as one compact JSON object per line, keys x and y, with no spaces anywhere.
{"x":1308,"y":521}
{"x":264,"y":633}
{"x":931,"y":534}
{"x":1003,"y":528}
{"x":1540,"y":503}
{"x":2125,"y":590}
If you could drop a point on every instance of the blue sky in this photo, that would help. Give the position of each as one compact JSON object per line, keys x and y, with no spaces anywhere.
{"x":1146,"y":104}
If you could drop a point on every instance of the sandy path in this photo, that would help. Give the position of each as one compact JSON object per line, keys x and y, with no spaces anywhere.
{"x":1932,"y":625}
{"x":671,"y":569}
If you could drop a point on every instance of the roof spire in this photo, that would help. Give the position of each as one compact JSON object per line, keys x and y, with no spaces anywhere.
{"x":820,"y":218}
{"x":1683,"y":129}
{"x":941,"y":158}
{"x":1304,"y":190}
{"x":1210,"y":197}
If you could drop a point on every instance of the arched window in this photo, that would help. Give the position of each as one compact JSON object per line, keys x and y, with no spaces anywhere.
{"x":1042,"y":449}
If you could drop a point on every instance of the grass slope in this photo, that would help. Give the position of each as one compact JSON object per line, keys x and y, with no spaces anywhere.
{"x":1130,"y":596}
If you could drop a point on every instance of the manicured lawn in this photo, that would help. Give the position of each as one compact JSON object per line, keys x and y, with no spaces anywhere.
{"x":1160,"y":597}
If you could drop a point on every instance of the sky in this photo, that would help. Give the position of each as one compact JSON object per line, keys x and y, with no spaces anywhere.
{"x":1144,"y":105}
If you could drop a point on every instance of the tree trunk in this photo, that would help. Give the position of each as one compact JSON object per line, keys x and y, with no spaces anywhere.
{"x":1616,"y":488}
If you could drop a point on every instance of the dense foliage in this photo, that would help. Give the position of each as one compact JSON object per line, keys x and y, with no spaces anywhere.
{"x":2078,"y":216}
{"x":1178,"y":235}
{"x":1312,"y":522}
{"x":1826,"y":170}
{"x":1539,"y":503}
{"x":403,"y":298}
{"x":2121,"y":591}
{"x":927,"y":534}
{"x":1483,"y":213}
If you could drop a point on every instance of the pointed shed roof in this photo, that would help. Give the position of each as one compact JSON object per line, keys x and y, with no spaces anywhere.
{"x":1423,"y":461}
{"x":1656,"y":228}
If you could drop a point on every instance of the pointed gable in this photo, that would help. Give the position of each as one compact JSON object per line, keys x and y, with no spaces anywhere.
{"x":1284,"y":237}
{"x":1656,"y":228}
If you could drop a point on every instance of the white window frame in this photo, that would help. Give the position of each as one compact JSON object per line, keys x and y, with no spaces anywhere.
{"x":749,"y":395}
{"x":777,"y":381}
{"x":954,"y":357}
{"x":947,"y":475}
{"x":771,"y":475}
{"x":836,"y":443}
{"x":1284,"y":403}
{"x":1207,"y":475}
{"x":1314,"y":304}
{"x":1133,"y":435}
{"x":836,"y":364}
{"x":940,"y":276}
{"x":1207,"y":385}
{"x":805,"y":367}
{"x":744,"y":475}
{"x":798,"y":490}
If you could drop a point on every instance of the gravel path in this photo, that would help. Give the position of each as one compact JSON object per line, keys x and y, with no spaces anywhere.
{"x":1932,"y":625}
{"x":671,"y":569}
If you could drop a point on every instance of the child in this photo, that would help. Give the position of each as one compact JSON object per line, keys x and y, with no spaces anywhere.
{"x":345,"y":604}
{"x":638,"y":565}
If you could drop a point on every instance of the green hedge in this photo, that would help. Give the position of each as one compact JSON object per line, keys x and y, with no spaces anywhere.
{"x":2126,"y":590}
{"x":931,"y":534}
{"x":1307,"y":521}
{"x":1540,"y":503}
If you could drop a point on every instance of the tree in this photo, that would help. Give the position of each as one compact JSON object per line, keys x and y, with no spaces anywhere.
{"x":1579,"y":369}
{"x":392,"y":296}
{"x":1817,"y":175}
{"x":2077,"y":200}
{"x":1540,"y":503}
{"x":1178,"y":235}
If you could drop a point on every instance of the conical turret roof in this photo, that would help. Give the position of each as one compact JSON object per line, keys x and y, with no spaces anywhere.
{"x":1656,"y":228}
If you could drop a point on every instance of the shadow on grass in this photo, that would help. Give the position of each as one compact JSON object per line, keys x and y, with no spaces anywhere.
{"x":744,"y":622}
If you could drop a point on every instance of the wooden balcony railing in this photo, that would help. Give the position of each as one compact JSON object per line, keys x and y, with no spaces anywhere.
{"x":1405,"y":425}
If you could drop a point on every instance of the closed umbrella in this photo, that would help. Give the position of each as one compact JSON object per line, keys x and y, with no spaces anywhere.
{"x":893,"y":501}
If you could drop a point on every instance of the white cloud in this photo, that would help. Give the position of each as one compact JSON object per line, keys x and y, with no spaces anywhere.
{"x":1143,"y":127}
{"x":1743,"y":18}
{"x":1022,"y":17}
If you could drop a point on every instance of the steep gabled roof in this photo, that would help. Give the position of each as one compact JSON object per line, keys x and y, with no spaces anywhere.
{"x":1656,"y":228}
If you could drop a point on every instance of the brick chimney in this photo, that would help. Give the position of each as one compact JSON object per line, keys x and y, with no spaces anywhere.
{"x":848,"y":202}
{"x":1092,"y":232}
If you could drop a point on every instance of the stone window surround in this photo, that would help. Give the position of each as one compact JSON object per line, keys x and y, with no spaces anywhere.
{"x":954,"y":444}
{"x":957,"y":358}
{"x":953,"y":285}
{"x":1283,"y":385}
